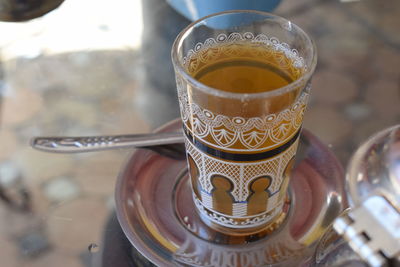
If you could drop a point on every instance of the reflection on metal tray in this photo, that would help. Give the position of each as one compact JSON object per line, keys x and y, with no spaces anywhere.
{"x":157,"y":213}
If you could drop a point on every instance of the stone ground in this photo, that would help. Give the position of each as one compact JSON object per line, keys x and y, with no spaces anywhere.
{"x":58,"y":204}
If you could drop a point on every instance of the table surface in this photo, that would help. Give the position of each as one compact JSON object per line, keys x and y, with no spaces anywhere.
{"x":103,"y":67}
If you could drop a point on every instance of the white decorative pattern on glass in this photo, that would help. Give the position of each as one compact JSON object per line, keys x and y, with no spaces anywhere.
{"x":271,"y":137}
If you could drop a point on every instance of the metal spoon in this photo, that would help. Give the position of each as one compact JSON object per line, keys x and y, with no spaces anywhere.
{"x":168,"y":143}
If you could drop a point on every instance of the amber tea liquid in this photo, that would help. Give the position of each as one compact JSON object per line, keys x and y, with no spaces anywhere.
{"x":240,"y":153}
{"x":249,"y":69}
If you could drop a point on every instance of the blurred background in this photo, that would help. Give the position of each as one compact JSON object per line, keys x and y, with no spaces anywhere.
{"x":103,"y":67}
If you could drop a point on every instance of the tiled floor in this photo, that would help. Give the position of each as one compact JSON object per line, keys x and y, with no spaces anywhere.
{"x":130,"y":90}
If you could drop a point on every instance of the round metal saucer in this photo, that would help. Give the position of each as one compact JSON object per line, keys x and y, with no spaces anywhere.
{"x":157,"y":214}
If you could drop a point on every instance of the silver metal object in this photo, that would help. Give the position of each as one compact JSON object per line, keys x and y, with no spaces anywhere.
{"x":372,"y":227}
{"x":167,"y":143}
{"x":156,"y":191}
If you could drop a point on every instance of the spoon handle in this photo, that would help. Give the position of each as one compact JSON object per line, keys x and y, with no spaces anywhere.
{"x":95,"y":143}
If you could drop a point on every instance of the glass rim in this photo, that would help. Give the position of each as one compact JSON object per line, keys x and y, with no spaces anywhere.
{"x":220,"y":93}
